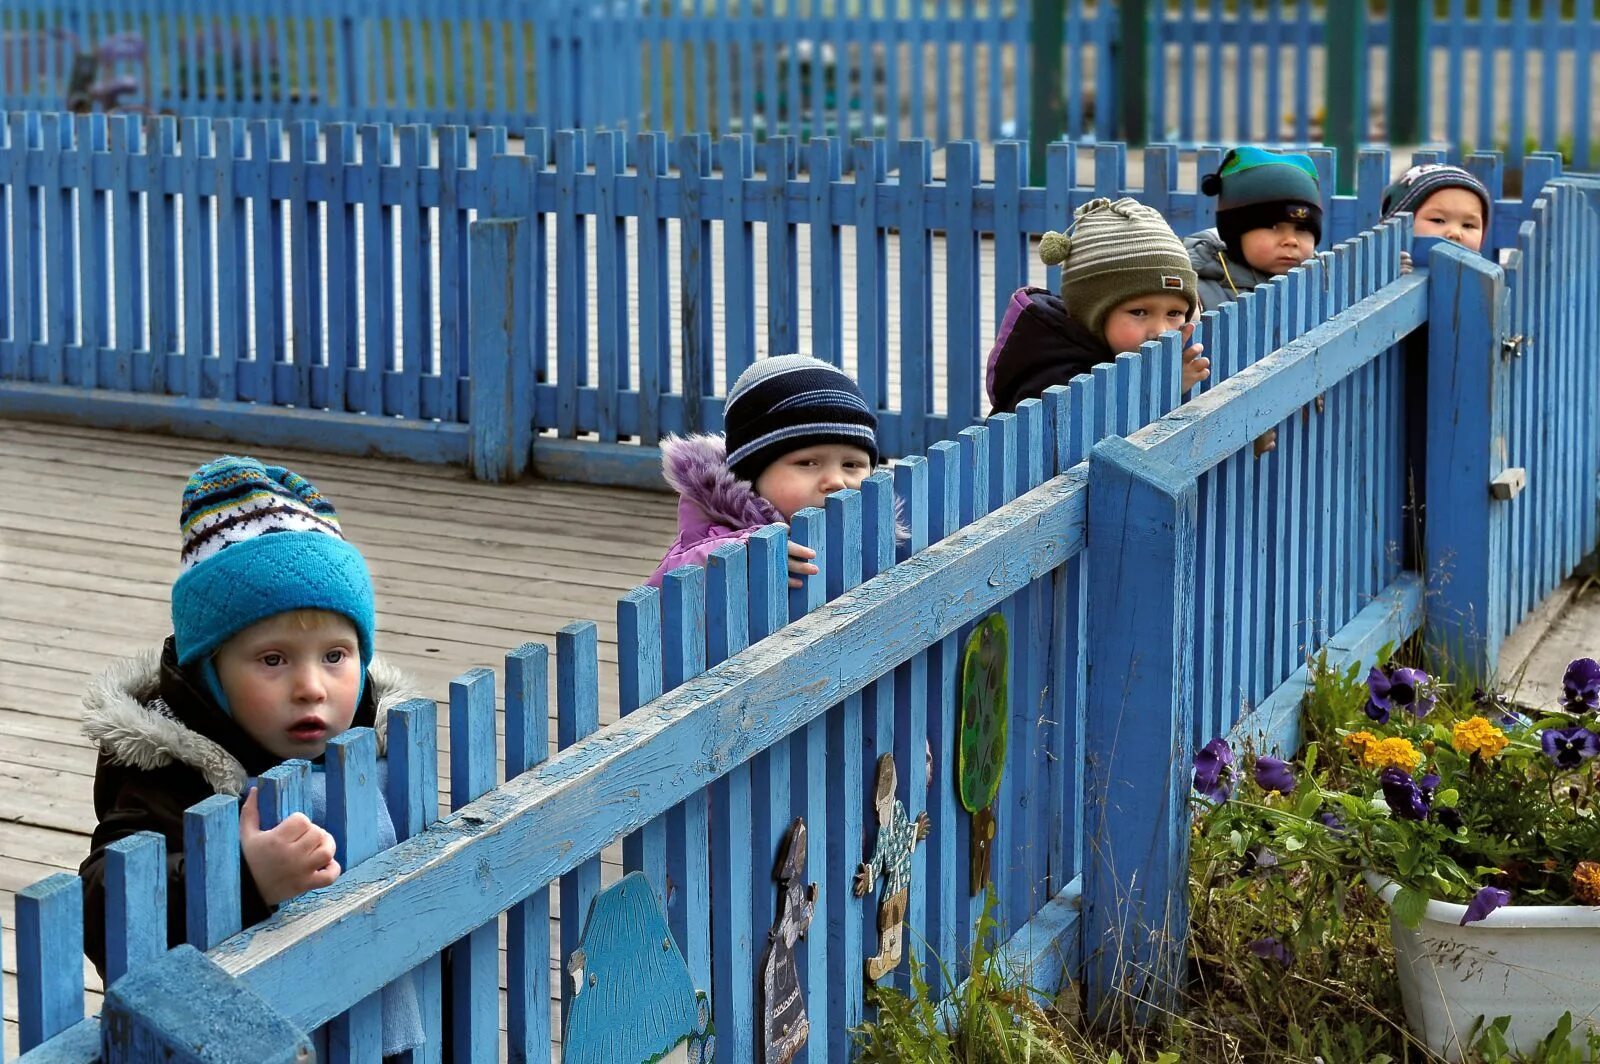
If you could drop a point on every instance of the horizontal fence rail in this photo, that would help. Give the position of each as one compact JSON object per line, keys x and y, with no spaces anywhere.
{"x":233,"y":277}
{"x":1160,"y":583}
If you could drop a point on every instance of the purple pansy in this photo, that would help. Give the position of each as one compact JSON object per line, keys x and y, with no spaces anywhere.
{"x":1569,"y":747}
{"x":1213,"y":770}
{"x":1390,"y":688}
{"x":1406,"y":800}
{"x":1271,"y":949}
{"x":1486,"y":901}
{"x":1273,"y":774}
{"x":1581,"y":684}
{"x":1330,"y":820}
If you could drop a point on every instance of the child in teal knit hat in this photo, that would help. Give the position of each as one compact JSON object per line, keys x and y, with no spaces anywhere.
{"x":1269,"y":220}
{"x":270,"y":657}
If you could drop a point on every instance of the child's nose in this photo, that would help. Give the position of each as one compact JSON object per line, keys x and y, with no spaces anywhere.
{"x":308,"y":685}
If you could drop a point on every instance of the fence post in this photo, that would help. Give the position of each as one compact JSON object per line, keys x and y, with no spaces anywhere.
{"x":1408,"y":71}
{"x":1139,"y":716}
{"x":1134,"y":70}
{"x":502,"y":380}
{"x":183,"y":1009}
{"x":1346,"y":105}
{"x":1047,"y":103}
{"x":1463,"y":549}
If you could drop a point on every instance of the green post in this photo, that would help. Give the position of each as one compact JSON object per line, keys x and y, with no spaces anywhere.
{"x":1133,"y":72}
{"x":1046,"y":32}
{"x":1408,"y":70}
{"x":1346,"y":98}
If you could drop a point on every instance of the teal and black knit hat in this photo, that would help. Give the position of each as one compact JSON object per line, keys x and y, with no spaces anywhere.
{"x":258,"y":541}
{"x":1257,"y":189}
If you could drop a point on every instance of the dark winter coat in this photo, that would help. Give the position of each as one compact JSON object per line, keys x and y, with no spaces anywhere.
{"x":164,"y":744}
{"x":1039,"y":345}
{"x":1222,"y":280}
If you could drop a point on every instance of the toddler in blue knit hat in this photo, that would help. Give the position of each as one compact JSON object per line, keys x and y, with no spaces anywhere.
{"x":270,"y":657}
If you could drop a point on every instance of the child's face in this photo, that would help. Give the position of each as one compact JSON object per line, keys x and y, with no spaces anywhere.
{"x":1144,"y":318}
{"x":1277,"y":250}
{"x":806,"y":477}
{"x":1453,"y":213}
{"x":290,"y":685}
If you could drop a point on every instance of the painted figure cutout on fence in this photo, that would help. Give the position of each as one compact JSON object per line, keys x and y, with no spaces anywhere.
{"x":784,"y":1025}
{"x":891,"y":858}
{"x":981,"y":753}
{"x":633,"y":999}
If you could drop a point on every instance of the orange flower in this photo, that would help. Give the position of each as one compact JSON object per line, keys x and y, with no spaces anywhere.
{"x":1357,"y":742}
{"x":1586,"y":882}
{"x":1391,"y":753}
{"x":1477,"y":736}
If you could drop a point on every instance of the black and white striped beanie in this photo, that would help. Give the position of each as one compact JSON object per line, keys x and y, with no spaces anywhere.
{"x":1117,"y":251}
{"x":791,"y":402}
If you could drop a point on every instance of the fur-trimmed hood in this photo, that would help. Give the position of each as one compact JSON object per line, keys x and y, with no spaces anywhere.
{"x":696,"y":467}
{"x":133,"y":726}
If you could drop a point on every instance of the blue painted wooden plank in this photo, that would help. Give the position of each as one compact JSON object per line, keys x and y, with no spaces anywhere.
{"x":571,"y":280}
{"x":770,"y":807}
{"x":1520,"y":26}
{"x":1142,"y":559}
{"x":611,"y":275}
{"x":696,"y":366}
{"x":872,"y":289}
{"x":416,"y":282}
{"x":916,"y":297}
{"x":1214,"y":65}
{"x":527,"y":742}
{"x":1013,"y":250}
{"x":136,"y":902}
{"x":738,"y":253}
{"x":255,"y":380}
{"x":1110,"y":169}
{"x":655,"y":312}
{"x":346,"y":390}
{"x":49,"y":958}
{"x":683,"y":595}
{"x":841,"y":777}
{"x":639,"y":682}
{"x":232,"y":282}
{"x":736,"y":873}
{"x":1032,"y":639}
{"x":502,"y":417}
{"x":89,"y":225}
{"x":453,"y":286}
{"x":1582,"y":31}
{"x":577,"y":717}
{"x":475,"y":960}
{"x":823,"y":168}
{"x":126,"y":266}
{"x":413,"y":798}
{"x":14,"y":364}
{"x":783,"y":296}
{"x":1455,"y":53}
{"x":211,"y":863}
{"x":962,"y":276}
{"x":947,"y":920}
{"x":352,"y":763}
{"x":377,"y":332}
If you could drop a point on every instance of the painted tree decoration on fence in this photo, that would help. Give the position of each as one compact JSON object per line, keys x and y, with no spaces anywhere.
{"x":633,"y":999}
{"x":981,"y":753}
{"x":891,"y":858}
{"x":784,"y":1024}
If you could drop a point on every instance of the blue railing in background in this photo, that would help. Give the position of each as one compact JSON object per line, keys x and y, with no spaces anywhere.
{"x":228,"y":278}
{"x":1217,"y":71}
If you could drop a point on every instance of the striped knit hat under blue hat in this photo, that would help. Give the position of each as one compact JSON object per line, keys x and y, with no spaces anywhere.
{"x":791,"y":402}
{"x":258,"y":541}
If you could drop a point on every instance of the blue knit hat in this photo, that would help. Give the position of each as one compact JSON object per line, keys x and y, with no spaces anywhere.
{"x":258,"y":541}
{"x":791,"y":402}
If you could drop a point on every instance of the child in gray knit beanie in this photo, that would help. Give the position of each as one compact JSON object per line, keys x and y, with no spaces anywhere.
{"x":1125,"y":279}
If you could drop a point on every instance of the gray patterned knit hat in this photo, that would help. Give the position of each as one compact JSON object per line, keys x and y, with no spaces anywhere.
{"x":1117,"y":251}
{"x":1414,"y":187}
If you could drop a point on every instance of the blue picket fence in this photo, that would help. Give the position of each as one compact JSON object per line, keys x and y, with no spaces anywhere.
{"x":1218,"y":71}
{"x":227,"y":278}
{"x":1212,"y":577}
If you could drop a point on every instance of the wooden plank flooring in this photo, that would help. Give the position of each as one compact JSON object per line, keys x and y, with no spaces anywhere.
{"x":89,"y":548}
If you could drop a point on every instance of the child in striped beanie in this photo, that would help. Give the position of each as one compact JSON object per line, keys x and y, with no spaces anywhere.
{"x":1445,"y":201}
{"x":270,"y":657}
{"x":796,"y":430}
{"x":1125,"y":279}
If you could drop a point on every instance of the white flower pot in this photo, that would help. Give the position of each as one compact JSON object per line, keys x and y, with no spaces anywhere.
{"x":1529,"y":962}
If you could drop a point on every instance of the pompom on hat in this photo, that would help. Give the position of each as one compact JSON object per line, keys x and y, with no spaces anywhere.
{"x":1116,"y":251}
{"x":258,"y":541}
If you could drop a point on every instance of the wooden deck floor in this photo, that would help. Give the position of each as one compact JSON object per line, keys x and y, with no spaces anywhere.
{"x":89,"y":548}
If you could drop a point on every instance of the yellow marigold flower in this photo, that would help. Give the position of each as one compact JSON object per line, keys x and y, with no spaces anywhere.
{"x":1391,"y":753}
{"x":1357,"y":742}
{"x":1586,"y":882}
{"x":1478,"y":736}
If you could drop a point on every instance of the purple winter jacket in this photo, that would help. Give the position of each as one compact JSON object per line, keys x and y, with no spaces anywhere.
{"x":714,"y":506}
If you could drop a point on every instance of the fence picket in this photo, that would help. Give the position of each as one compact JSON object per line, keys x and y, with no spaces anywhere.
{"x":475,"y":960}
